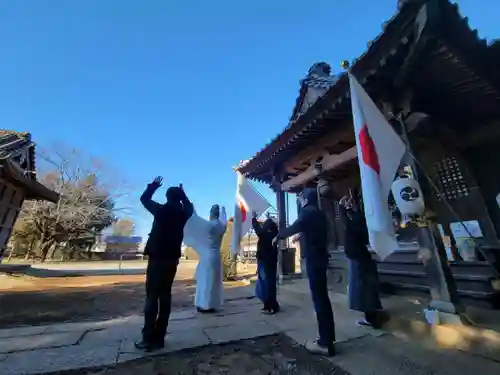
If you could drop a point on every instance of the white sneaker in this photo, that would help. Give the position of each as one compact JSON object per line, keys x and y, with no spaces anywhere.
{"x":313,"y":347}
{"x":364,"y":323}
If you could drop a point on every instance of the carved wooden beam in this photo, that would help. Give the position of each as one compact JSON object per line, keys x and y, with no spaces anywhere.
{"x":329,"y":163}
{"x":311,"y":153}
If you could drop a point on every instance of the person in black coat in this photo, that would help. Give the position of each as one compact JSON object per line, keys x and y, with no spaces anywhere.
{"x":363,"y":275}
{"x":163,"y":249}
{"x":267,"y":264}
{"x":312,"y":224}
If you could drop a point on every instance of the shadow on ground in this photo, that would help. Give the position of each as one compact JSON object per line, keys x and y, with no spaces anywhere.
{"x":61,"y":305}
{"x":28,"y":270}
{"x":276,"y":354}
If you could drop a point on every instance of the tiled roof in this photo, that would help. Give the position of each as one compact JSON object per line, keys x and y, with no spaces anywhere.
{"x":320,"y":83}
{"x":295,"y":124}
{"x":392,"y":37}
{"x":12,"y":142}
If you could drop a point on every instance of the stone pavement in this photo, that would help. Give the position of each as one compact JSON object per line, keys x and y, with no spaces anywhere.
{"x":45,"y":349}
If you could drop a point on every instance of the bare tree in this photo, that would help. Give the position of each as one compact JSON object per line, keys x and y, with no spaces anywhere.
{"x":90,"y":195}
{"x":124,"y":227}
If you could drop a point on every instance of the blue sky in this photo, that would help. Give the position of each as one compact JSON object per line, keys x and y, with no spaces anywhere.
{"x":182,"y":89}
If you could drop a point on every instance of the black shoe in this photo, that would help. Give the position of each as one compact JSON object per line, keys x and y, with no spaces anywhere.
{"x":156,"y":345}
{"x":205,"y":311}
{"x":271,"y":311}
{"x":143,"y":345}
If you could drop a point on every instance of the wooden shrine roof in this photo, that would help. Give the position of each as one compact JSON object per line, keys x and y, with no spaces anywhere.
{"x":12,"y":143}
{"x":464,"y":75}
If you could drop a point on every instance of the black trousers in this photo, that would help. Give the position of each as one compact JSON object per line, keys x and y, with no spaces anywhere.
{"x":375,"y":318}
{"x":318,"y":284}
{"x":159,"y":279}
{"x":270,"y":301}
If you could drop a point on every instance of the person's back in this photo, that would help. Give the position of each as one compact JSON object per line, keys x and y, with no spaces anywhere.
{"x":217,"y":229}
{"x":313,"y":227}
{"x":314,"y":233}
{"x":167,"y":231}
{"x":267,"y":264}
{"x":164,"y":250}
{"x":356,"y":236}
{"x":266,"y":251}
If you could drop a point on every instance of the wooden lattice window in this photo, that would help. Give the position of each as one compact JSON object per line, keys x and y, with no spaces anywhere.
{"x":450,"y":179}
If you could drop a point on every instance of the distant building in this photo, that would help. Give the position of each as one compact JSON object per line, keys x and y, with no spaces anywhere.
{"x":249,"y":247}
{"x":122,"y":244}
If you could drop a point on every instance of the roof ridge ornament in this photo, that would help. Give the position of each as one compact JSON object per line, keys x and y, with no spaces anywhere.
{"x":320,"y":69}
{"x":316,"y":83}
{"x":320,"y":72}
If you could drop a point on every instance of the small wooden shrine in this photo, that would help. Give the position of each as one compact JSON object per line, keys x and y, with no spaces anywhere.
{"x":429,"y":69}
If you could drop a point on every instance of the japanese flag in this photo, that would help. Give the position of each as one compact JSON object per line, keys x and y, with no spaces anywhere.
{"x":248,"y":200}
{"x":380,"y":151}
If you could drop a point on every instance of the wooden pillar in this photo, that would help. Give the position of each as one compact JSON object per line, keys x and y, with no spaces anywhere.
{"x":11,"y":199}
{"x":445,"y":305}
{"x":281,"y":207}
{"x":303,"y":269}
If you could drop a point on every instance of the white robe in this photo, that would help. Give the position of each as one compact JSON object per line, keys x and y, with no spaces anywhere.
{"x":205,"y":237}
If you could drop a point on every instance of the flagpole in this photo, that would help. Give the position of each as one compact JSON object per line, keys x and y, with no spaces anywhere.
{"x":445,"y":305}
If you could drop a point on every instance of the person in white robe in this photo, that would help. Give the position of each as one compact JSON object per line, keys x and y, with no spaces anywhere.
{"x":205,"y":237}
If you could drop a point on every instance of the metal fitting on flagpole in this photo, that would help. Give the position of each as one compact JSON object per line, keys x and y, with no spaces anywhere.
{"x":345,"y":64}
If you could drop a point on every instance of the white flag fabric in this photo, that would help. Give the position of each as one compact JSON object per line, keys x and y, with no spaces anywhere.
{"x":380,"y":151}
{"x":247,"y":201}
{"x":196,"y":233}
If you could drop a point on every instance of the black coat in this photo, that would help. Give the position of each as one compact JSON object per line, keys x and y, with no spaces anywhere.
{"x":167,"y":232}
{"x":356,"y":236}
{"x":312,"y":225}
{"x":266,"y":252}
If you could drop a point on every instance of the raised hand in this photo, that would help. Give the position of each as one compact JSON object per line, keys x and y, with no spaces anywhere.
{"x":181,"y":187}
{"x":343,"y":201}
{"x":157,"y":182}
{"x":346,"y":202}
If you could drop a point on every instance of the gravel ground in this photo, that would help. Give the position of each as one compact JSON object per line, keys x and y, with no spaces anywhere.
{"x":271,"y":355}
{"x":72,"y":304}
{"x":36,"y":301}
